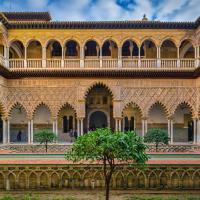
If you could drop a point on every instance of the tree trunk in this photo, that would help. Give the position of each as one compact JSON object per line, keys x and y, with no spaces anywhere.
{"x":156,"y":147}
{"x":107,"y":190}
{"x":108,"y":176}
{"x":46,"y":146}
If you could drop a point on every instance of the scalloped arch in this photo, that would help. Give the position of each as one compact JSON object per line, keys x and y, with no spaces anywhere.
{"x":17,"y":104}
{"x":164,"y":107}
{"x":184,"y":103}
{"x":66,"y":104}
{"x":134,"y":105}
{"x":93,"y":85}
{"x":41,"y":104}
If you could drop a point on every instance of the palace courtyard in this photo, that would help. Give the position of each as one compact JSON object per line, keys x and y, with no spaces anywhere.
{"x":75,"y":76}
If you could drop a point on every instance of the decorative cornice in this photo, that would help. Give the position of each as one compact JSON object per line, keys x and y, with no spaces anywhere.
{"x":103,"y":25}
{"x":189,"y":74}
{"x":42,"y":20}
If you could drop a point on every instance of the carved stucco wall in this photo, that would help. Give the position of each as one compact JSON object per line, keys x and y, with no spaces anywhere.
{"x":56,"y":92}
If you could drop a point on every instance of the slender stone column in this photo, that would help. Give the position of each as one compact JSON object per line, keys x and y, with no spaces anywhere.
{"x":25,"y":56}
{"x":198,"y":131}
{"x":143,"y":127}
{"x":178,"y":57}
{"x":6,"y":55}
{"x":158,"y":57}
{"x":8,"y":131}
{"x":44,"y":56}
{"x":63,"y":56}
{"x":82,"y":57}
{"x":78,"y":127}
{"x":116,"y":124}
{"x":4,"y":131}
{"x":172,"y":132}
{"x":101,"y":57}
{"x":139,"y":57}
{"x":194,"y":131}
{"x":146,"y":126}
{"x":56,"y":127}
{"x":32,"y":131}
{"x":119,"y":57}
{"x":169,"y":128}
{"x":53,"y":124}
{"x":120,"y":124}
{"x":81,"y":126}
{"x":29,"y":131}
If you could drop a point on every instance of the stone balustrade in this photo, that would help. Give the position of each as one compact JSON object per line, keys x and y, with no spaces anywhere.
{"x":102,"y":63}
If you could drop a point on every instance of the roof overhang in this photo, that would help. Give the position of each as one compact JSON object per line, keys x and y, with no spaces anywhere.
{"x":104,"y":73}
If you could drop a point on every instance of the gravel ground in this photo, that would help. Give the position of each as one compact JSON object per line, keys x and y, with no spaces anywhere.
{"x":99,"y":195}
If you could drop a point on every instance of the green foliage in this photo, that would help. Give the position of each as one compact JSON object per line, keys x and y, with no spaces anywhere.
{"x":108,"y":146}
{"x":30,"y":197}
{"x":7,"y":198}
{"x":45,"y":136}
{"x":157,"y":136}
{"x":101,"y":143}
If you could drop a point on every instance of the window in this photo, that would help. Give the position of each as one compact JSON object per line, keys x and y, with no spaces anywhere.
{"x":65,"y":124}
{"x":105,"y":100}
{"x":70,"y":122}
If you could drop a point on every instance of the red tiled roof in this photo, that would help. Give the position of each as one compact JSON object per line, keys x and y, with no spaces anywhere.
{"x":27,"y":16}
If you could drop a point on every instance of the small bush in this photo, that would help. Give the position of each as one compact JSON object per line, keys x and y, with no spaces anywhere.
{"x":7,"y":198}
{"x":30,"y":197}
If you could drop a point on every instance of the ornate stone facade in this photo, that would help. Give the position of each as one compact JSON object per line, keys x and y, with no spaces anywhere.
{"x":88,"y":177}
{"x":49,"y":70}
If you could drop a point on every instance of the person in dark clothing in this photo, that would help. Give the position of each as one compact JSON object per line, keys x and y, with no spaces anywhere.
{"x":19,"y":136}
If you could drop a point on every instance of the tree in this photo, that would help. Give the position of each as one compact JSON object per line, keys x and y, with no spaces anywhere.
{"x":157,"y":136}
{"x":45,"y":136}
{"x":110,"y":148}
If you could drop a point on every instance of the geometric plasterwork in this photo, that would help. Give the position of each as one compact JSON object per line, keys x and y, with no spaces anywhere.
{"x":55,"y":93}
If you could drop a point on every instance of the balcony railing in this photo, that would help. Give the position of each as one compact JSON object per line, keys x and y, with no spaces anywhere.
{"x":101,"y":63}
{"x":34,"y":63}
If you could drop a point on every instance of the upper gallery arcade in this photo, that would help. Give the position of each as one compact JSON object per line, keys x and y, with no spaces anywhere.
{"x":76,"y":76}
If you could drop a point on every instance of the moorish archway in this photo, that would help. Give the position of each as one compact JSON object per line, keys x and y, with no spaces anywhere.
{"x":99,"y":108}
{"x":98,"y":119}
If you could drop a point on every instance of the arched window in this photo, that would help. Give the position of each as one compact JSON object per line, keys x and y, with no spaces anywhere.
{"x":132,"y":119}
{"x":65,"y":124}
{"x":57,"y":50}
{"x":91,"y":48}
{"x":16,"y":49}
{"x":72,"y":49}
{"x":34,"y":49}
{"x":130,"y":49}
{"x":110,"y":49}
{"x":126,"y":124}
{"x":54,"y":49}
{"x":70,"y":123}
{"x":168,"y":49}
{"x":148,"y":49}
{"x":187,"y":49}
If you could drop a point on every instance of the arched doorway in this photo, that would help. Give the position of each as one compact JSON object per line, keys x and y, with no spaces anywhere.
{"x":67,"y":124}
{"x":99,"y":108}
{"x":132,"y":118}
{"x":18,"y":124}
{"x":98,"y":119}
{"x":183,"y":124}
{"x":157,"y":117}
